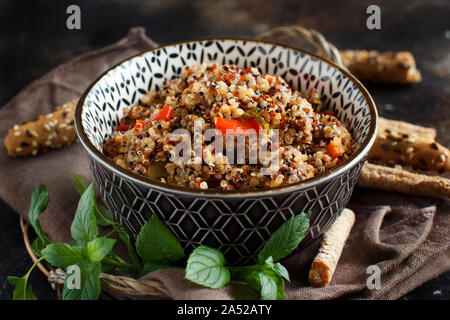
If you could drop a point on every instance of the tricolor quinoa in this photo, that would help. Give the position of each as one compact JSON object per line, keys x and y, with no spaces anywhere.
{"x":228,"y":97}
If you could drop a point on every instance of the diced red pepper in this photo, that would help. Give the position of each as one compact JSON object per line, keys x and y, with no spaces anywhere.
{"x":236,"y":126}
{"x":123,"y":126}
{"x":165,"y":114}
{"x":139,"y":125}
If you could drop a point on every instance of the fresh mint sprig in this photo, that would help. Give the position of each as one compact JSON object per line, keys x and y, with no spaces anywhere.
{"x":156,"y":248}
{"x":206,"y":266}
{"x":90,"y":252}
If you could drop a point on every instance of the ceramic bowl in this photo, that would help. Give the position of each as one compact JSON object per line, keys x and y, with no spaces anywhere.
{"x":236,"y":222}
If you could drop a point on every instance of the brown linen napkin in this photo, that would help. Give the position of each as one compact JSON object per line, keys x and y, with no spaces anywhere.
{"x":405,"y":236}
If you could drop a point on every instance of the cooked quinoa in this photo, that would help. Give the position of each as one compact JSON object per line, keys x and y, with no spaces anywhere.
{"x":310,"y":141}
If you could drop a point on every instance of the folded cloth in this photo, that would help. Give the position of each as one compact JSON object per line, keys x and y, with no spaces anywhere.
{"x":406,"y":237}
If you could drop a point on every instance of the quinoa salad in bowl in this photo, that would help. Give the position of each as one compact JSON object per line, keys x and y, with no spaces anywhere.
{"x":233,"y":101}
{"x":225,"y":140}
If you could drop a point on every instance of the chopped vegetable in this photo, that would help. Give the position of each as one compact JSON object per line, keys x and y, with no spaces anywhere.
{"x":254,"y":113}
{"x":335,"y":150}
{"x":139,"y":125}
{"x":165,"y":114}
{"x":236,"y":126}
{"x":157,"y":170}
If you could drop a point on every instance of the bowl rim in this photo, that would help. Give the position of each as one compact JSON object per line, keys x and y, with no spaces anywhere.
{"x":346,"y":165}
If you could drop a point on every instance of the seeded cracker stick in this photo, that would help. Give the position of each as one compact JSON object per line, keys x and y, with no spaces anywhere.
{"x":324,"y":264}
{"x":387,"y":67}
{"x":408,"y":145}
{"x":53,"y":130}
{"x":395,"y":179}
{"x":419,"y":154}
{"x":403,"y":127}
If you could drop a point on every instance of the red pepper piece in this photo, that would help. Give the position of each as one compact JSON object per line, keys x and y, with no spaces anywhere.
{"x":139,"y":125}
{"x":165,"y":114}
{"x":236,"y":126}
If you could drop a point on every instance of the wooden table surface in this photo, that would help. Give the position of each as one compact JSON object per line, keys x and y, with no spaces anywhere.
{"x":34,"y":39}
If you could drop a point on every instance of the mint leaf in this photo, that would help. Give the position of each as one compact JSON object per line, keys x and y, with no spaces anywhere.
{"x":39,"y":202}
{"x":37,"y":246}
{"x":84,"y":226}
{"x":98,"y":248}
{"x":103,"y":215}
{"x":206,"y":266}
{"x":286,"y":238}
{"x":90,"y":287}
{"x":153,"y":266}
{"x":62,"y":255}
{"x":262,"y":277}
{"x":263,"y":283}
{"x":125,"y":237}
{"x":281,"y":271}
{"x":277,"y":268}
{"x":23,"y":289}
{"x":155,"y":242}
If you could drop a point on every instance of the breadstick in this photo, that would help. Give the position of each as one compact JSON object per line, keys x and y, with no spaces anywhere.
{"x":324,"y":264}
{"x":409,"y":150}
{"x":387,"y":67}
{"x":401,"y":127}
{"x":394,"y":179}
{"x":53,"y":130}
{"x":408,"y":145}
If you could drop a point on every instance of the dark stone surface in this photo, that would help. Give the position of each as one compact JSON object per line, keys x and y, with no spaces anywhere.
{"x":34,"y":39}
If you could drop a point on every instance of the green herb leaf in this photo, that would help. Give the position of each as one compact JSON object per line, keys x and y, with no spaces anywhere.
{"x":156,"y":242}
{"x":263,"y":283}
{"x":39,"y":202}
{"x":277,"y":268}
{"x":206,"y":266}
{"x":98,"y":248}
{"x":285,"y":239}
{"x":281,"y":271}
{"x":153,"y":266}
{"x":125,"y":237}
{"x":103,"y":215}
{"x":254,"y":113}
{"x":23,"y":289}
{"x":62,"y":255}
{"x":90,"y":288}
{"x":37,"y":246}
{"x":84,"y":226}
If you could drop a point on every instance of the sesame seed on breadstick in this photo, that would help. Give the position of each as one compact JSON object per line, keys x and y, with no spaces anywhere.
{"x":402,"y":127}
{"x":386,"y":67}
{"x":49,"y":131}
{"x":324,"y":264}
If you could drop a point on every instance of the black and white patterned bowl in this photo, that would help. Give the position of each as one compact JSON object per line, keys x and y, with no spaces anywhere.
{"x":236,"y":222}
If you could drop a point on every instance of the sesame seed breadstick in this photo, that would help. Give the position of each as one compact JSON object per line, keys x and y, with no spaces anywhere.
{"x":410,"y":151}
{"x":403,"y":127}
{"x":324,"y":264}
{"x":406,"y":144}
{"x":395,"y":179}
{"x":49,"y":131}
{"x":387,"y":67}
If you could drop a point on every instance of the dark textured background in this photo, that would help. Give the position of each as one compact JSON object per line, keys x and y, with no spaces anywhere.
{"x":34,"y":39}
